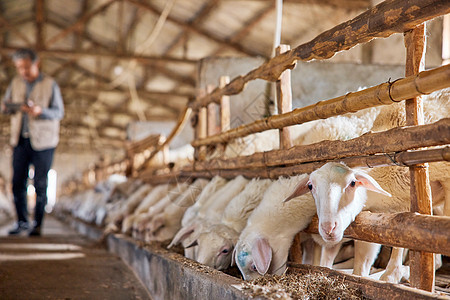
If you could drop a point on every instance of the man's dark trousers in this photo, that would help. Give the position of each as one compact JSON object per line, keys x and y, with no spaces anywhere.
{"x":23,"y":157}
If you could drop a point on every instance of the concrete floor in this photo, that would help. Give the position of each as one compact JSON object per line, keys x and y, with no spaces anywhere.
{"x":62,"y":264}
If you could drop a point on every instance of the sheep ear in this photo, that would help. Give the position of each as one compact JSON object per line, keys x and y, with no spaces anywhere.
{"x":194,"y":243}
{"x":364,"y":180}
{"x":300,"y":189}
{"x":157,"y":223}
{"x":181,"y":235}
{"x":262,"y":255}
{"x":232,"y":256}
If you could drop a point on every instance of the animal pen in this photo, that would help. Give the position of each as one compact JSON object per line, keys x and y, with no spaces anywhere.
{"x":412,"y":146}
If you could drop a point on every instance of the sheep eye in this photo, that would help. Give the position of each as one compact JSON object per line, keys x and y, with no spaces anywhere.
{"x":353,"y":183}
{"x":225,"y":251}
{"x":310,"y":186}
{"x":253,"y":267}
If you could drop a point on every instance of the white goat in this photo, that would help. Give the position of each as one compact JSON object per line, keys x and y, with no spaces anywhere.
{"x":263,"y":245}
{"x":165,"y":224}
{"x":150,"y":199}
{"x":340,"y":194}
{"x":211,"y":212}
{"x":191,"y":213}
{"x":158,"y":207}
{"x":216,"y":243}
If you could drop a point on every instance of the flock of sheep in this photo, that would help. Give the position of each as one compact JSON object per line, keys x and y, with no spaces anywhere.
{"x":251,"y":223}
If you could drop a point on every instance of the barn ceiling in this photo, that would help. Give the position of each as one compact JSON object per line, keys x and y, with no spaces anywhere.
{"x":120,"y":61}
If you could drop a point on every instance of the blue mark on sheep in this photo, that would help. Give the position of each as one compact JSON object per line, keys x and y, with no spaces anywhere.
{"x":341,"y":170}
{"x":242,"y":257}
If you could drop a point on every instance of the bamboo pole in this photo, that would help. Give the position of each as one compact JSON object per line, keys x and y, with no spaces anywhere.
{"x":386,"y":93}
{"x":409,"y":230}
{"x":421,"y":263}
{"x":383,"y":20}
{"x":393,"y":140}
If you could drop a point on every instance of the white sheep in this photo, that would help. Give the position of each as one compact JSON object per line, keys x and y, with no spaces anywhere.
{"x":127,"y":208}
{"x":211,"y":212}
{"x":341,"y":193}
{"x":190,"y":214}
{"x":216,"y":243}
{"x":158,"y":207}
{"x":156,"y":194}
{"x":165,"y":224}
{"x":263,"y":245}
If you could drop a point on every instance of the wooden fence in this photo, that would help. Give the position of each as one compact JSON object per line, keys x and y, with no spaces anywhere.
{"x":422,"y":233}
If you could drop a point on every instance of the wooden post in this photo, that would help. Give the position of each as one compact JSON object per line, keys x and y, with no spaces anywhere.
{"x":212,"y":127}
{"x":284,"y":105}
{"x":284,"y":99}
{"x":446,"y":40}
{"x":225,"y":112}
{"x":421,"y":263}
{"x":225,"y":108}
{"x":200,"y":129}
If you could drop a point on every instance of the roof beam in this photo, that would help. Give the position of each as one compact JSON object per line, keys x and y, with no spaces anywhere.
{"x":83,"y":53}
{"x":15,"y":31}
{"x":40,"y":19}
{"x":204,"y":12}
{"x":150,"y":7}
{"x":80,"y":22}
{"x":346,"y":4}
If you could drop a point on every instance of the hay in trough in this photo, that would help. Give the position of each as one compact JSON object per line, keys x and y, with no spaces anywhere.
{"x":300,"y":286}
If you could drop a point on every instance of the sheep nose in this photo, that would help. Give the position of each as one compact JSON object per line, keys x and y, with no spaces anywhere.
{"x":328,"y":227}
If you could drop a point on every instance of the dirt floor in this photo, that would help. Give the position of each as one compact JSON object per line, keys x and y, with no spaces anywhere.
{"x":62,"y":264}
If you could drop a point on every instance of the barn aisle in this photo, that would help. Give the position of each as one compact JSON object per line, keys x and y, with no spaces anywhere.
{"x":62,"y":264}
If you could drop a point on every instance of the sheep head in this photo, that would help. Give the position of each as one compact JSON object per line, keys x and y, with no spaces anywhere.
{"x":253,"y":258}
{"x":215,"y":246}
{"x":340,"y":194}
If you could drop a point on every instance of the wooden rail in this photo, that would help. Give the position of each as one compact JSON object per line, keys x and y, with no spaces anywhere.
{"x":386,"y":93}
{"x":409,"y":230}
{"x":393,"y":140}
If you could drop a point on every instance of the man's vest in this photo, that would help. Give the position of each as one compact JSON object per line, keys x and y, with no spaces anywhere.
{"x":44,"y":134}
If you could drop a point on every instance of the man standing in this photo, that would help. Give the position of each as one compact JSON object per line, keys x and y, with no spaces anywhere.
{"x":36,"y":106}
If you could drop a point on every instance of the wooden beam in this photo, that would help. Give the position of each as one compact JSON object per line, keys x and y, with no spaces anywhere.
{"x":16,"y":32}
{"x":80,"y":22}
{"x":155,"y":10}
{"x":204,"y":12}
{"x":387,"y":18}
{"x":385,"y":93}
{"x":421,"y":263}
{"x":40,"y":19}
{"x":407,"y":230}
{"x":342,"y":4}
{"x":393,"y":140}
{"x":84,"y":53}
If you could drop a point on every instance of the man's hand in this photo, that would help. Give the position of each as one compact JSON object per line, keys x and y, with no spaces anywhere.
{"x":31,"y":109}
